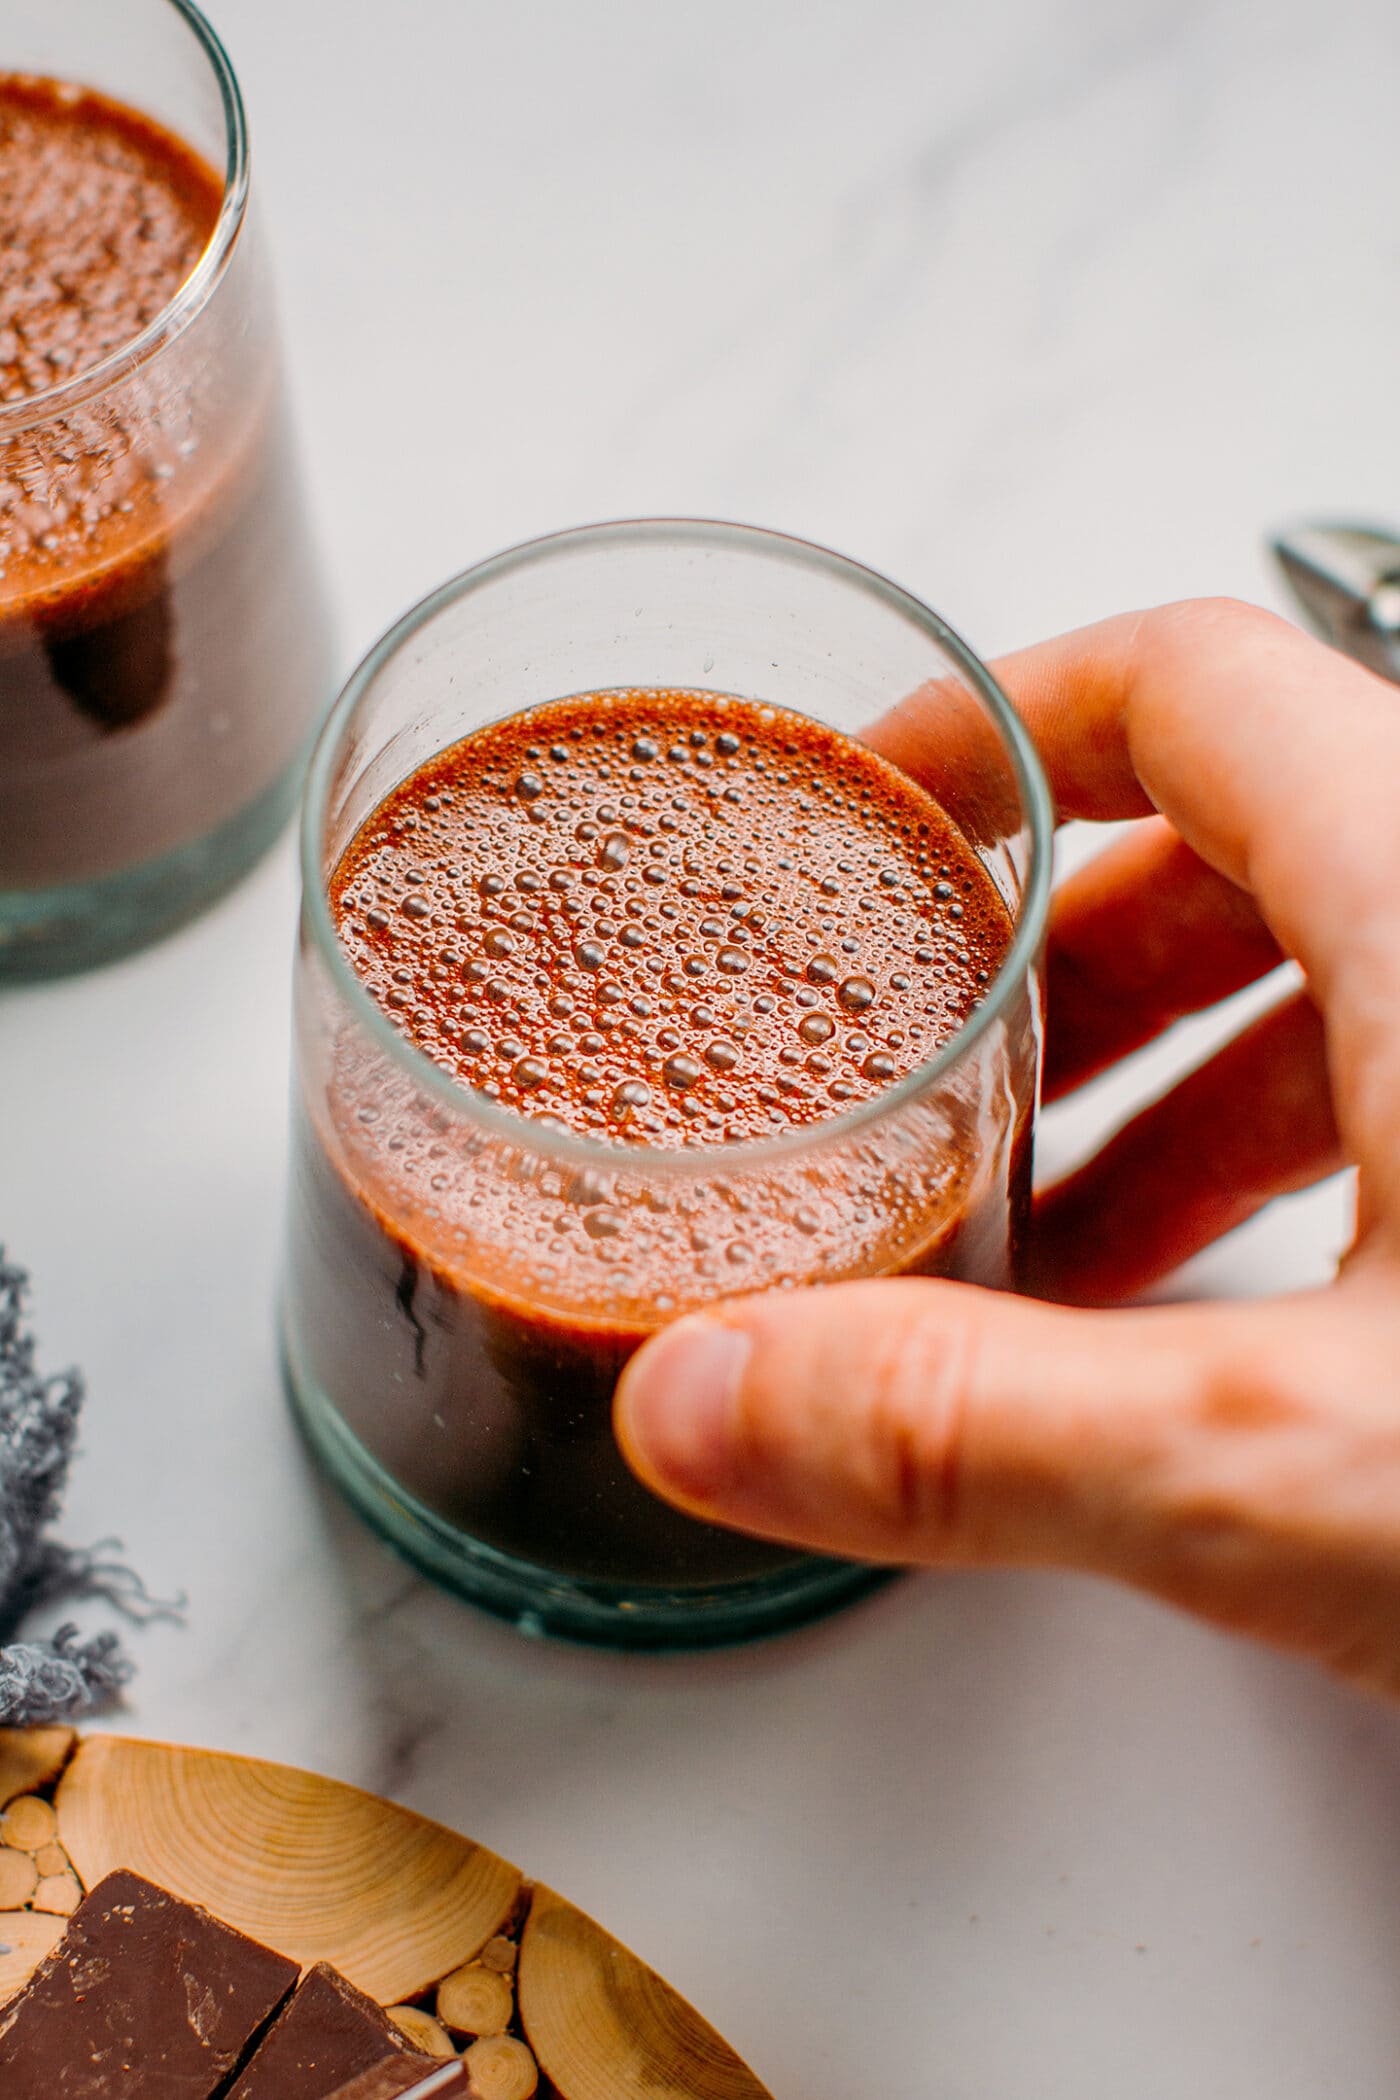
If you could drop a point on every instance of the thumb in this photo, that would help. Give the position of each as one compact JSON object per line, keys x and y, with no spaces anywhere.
{"x":906,"y":1420}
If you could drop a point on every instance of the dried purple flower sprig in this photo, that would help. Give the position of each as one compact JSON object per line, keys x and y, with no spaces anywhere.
{"x":63,"y":1677}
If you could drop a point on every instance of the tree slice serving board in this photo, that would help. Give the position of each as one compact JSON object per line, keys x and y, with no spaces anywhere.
{"x":322,"y":1872}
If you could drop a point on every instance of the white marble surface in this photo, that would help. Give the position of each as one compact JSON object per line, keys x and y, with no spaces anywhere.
{"x":1047,"y":308}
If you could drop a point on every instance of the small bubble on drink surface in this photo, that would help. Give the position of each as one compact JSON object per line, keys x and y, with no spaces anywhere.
{"x":855,"y":994}
{"x":681,"y":1072}
{"x":823,"y":969}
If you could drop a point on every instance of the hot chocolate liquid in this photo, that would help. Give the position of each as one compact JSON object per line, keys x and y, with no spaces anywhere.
{"x":659,"y":919}
{"x":161,"y":645}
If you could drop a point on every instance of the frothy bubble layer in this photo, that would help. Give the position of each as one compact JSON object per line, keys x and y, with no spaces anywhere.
{"x":668,"y":917}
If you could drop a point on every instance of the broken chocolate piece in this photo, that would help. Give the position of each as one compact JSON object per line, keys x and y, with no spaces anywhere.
{"x":326,"y":2033}
{"x":407,"y":2081}
{"x":143,"y":1994}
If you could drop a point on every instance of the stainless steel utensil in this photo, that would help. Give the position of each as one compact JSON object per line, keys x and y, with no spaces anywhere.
{"x":1346,"y":578}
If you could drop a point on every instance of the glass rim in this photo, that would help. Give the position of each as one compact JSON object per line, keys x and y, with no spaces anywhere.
{"x":671,"y":1160}
{"x":193,"y":294}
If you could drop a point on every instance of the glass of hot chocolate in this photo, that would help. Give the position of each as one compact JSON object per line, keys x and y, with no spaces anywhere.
{"x":164,"y":651}
{"x":673,"y":898}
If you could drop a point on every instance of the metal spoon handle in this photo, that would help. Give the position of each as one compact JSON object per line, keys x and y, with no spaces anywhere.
{"x":1346,"y":579}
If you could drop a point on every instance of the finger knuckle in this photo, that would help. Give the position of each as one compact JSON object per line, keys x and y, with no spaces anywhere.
{"x":920,"y":1407}
{"x":1249,"y":1399}
{"x":1225,"y":619}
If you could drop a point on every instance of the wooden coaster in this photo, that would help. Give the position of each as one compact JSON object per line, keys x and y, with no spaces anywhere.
{"x":448,"y":1935}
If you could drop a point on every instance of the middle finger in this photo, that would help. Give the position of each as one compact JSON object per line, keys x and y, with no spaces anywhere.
{"x":1141,"y":936}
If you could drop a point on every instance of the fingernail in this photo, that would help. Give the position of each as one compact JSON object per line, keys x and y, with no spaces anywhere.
{"x":676,"y":1406}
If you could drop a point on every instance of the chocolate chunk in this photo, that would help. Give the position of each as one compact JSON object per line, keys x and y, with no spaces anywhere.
{"x":325,"y":2034}
{"x":143,"y":1994}
{"x":425,"y":2081}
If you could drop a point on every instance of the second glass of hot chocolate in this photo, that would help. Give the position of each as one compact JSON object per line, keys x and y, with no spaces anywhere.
{"x":673,"y":898}
{"x":164,"y":646}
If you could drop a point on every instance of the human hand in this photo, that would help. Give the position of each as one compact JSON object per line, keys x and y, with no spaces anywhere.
{"x":1242,"y":1461}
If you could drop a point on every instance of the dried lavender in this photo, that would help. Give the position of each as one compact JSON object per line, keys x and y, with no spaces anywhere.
{"x":60,"y":1678}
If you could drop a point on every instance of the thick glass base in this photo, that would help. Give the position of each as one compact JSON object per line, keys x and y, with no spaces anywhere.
{"x":58,"y":931}
{"x":537,"y":1601}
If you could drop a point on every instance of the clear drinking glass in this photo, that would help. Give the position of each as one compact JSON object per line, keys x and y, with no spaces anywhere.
{"x":443,"y":1343}
{"x":164,"y":649}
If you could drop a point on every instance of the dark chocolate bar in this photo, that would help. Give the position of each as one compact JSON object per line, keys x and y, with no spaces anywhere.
{"x":326,"y":2034}
{"x":143,"y":1994}
{"x":426,"y":2081}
